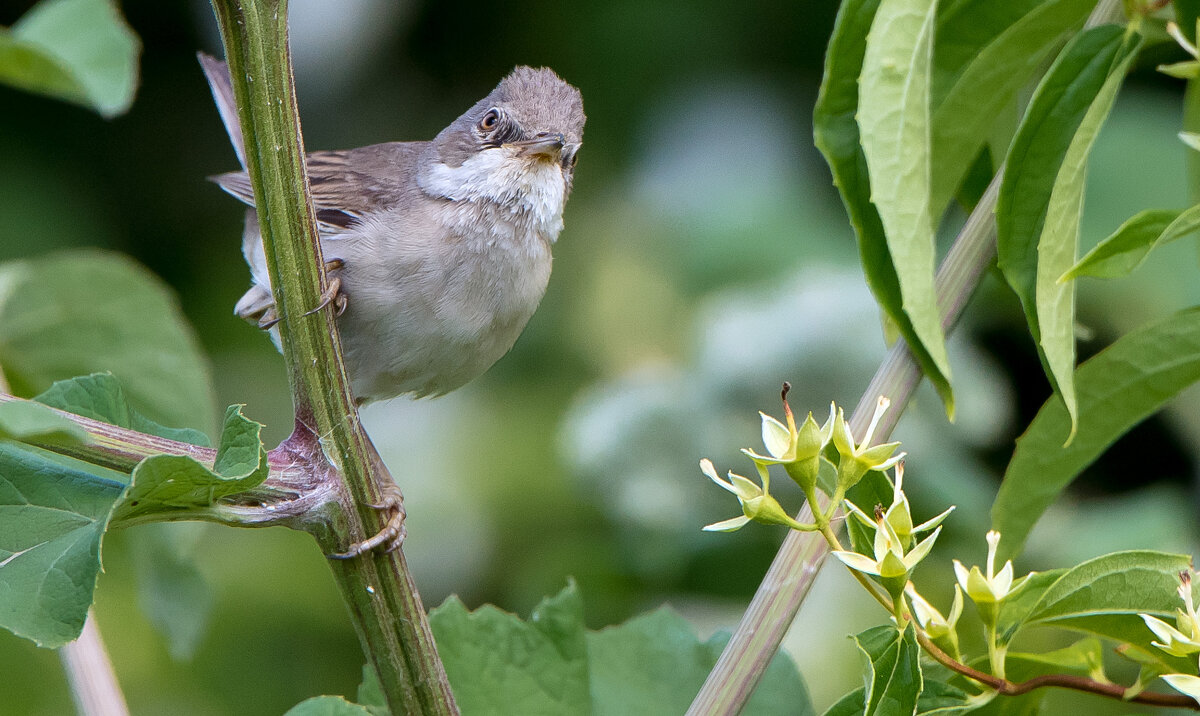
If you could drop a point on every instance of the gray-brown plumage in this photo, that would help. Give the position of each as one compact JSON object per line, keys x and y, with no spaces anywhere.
{"x":444,"y":245}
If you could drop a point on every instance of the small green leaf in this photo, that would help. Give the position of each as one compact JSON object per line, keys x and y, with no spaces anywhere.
{"x":1118,"y":388}
{"x":836,"y":134}
{"x":893,"y":118}
{"x":173,"y":483}
{"x":81,"y":312}
{"x":894,"y":680}
{"x":852,"y":704}
{"x":327,"y":706}
{"x":1124,"y":251}
{"x":1041,"y":197}
{"x":998,"y":48}
{"x":80,"y":51}
{"x":99,"y":396}
{"x":25,"y":421}
{"x":53,"y":511}
{"x":1192,"y":139}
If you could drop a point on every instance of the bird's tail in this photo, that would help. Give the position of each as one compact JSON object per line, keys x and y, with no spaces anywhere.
{"x":217,"y":73}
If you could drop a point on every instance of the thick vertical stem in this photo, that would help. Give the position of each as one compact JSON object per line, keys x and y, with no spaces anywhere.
{"x":378,"y":588}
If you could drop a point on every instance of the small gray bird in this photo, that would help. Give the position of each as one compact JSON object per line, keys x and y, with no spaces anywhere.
{"x":440,"y":250}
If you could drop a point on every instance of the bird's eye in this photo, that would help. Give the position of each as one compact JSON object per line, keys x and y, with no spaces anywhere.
{"x":490,"y":120}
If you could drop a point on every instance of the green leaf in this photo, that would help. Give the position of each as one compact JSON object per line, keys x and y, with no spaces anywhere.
{"x":941,"y":699}
{"x":1118,"y":388}
{"x":497,"y":663}
{"x":327,"y":706}
{"x":836,"y":133}
{"x":24,"y":421}
{"x":80,"y":312}
{"x":80,"y":51}
{"x":893,"y":670}
{"x":652,"y":664}
{"x":1084,"y":657}
{"x":99,"y":396}
{"x":1119,"y":254}
{"x":1121,"y":583}
{"x":852,"y":704}
{"x":53,"y":512}
{"x":1103,"y":597}
{"x":1041,"y":197}
{"x":995,"y":49}
{"x":1188,"y":70}
{"x":173,"y":483}
{"x":893,"y":117}
{"x":370,"y":693}
{"x":1015,"y":610}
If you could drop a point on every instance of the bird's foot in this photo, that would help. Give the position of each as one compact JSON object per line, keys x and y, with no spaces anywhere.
{"x":268,"y":319}
{"x":333,"y":293}
{"x":392,"y":535}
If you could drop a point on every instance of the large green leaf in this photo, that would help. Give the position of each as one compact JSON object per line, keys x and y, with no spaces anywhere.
{"x":985,"y":52}
{"x":1118,"y":388}
{"x":1120,"y":254}
{"x":76,"y":50}
{"x":652,"y":664}
{"x":82,"y":312}
{"x":893,"y":680}
{"x":836,"y":134}
{"x":893,"y":118}
{"x":1041,"y":196}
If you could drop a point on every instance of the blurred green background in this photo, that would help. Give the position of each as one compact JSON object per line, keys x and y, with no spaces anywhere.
{"x":706,"y":258}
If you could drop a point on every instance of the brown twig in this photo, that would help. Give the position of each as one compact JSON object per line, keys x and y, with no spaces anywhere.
{"x":1064,"y":681}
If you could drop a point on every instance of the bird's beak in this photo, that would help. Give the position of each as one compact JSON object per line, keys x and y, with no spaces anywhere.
{"x":544,"y":145}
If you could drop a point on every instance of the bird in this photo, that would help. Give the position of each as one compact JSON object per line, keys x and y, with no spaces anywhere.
{"x":438,"y":251}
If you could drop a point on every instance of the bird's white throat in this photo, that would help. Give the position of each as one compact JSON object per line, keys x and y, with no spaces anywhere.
{"x":532,"y":190}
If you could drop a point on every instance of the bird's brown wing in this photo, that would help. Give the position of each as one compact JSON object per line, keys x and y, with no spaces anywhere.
{"x":347,"y":184}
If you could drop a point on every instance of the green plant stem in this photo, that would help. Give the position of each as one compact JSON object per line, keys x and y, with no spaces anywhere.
{"x":798,"y":561}
{"x":378,"y":588}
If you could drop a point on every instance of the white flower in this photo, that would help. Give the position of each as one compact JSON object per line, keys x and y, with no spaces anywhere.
{"x":992,"y":587}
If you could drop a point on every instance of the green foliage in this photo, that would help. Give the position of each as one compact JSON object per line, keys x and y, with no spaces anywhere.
{"x":894,"y":119}
{"x":1127,"y":248}
{"x":894,"y":671}
{"x":56,"y":509}
{"x":837,"y":134}
{"x":80,"y":51}
{"x":1041,"y":197}
{"x":99,"y":396}
{"x":985,"y":53}
{"x":163,"y":484}
{"x":24,"y":421}
{"x":652,"y":664}
{"x":1118,"y":388}
{"x":53,"y":512}
{"x":75,"y":313}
